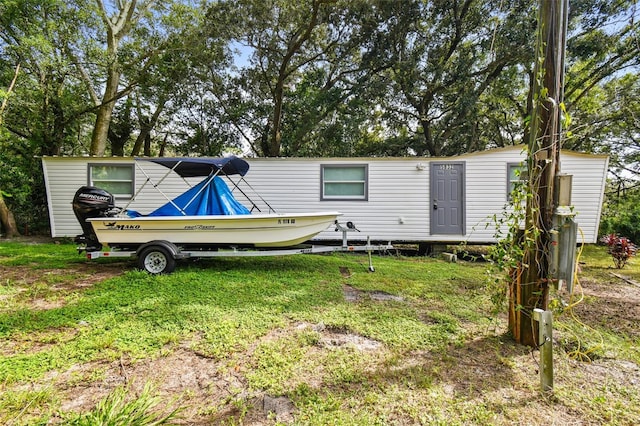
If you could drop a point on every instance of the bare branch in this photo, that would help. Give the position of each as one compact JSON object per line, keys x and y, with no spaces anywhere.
{"x":9,"y":90}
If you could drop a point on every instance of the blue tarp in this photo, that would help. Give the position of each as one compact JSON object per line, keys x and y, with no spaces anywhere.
{"x":215,"y":198}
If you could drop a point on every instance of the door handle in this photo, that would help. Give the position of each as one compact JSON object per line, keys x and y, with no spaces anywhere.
{"x":435,"y":205}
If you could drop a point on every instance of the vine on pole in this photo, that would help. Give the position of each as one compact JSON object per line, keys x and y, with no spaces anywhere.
{"x":543,"y":163}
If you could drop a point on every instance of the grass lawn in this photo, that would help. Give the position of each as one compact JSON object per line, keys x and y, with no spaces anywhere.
{"x":308,"y":339}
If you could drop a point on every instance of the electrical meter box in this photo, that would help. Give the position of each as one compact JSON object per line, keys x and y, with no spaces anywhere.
{"x":564,"y":238}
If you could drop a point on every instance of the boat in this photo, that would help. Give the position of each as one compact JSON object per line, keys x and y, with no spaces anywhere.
{"x":258,"y":230}
{"x":205,"y":216}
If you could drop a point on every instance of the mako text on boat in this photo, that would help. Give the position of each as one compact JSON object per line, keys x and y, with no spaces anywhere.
{"x":201,"y":222}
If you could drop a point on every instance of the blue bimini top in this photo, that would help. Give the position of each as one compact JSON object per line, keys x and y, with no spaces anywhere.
{"x":211,"y":196}
{"x":202,"y":166}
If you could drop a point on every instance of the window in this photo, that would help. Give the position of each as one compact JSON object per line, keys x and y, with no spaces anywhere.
{"x":115,"y":178}
{"x":344,"y":182}
{"x":516,"y":173}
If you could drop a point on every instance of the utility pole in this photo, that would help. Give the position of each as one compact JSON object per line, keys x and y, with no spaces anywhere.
{"x":531,"y":289}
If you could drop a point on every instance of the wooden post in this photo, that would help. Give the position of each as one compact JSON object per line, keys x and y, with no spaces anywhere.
{"x":514,"y":296}
{"x":543,"y":164}
{"x":545,"y":320}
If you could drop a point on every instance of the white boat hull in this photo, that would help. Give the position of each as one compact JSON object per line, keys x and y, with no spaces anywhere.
{"x":258,"y":230}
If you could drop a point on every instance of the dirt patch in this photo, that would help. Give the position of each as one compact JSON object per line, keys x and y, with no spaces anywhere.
{"x":78,"y":275}
{"x":352,"y":294}
{"x":208,"y":391}
{"x":610,"y":371}
{"x":331,"y":338}
{"x":614,"y":304}
{"x":41,"y":286}
{"x":201,"y":385}
{"x":34,"y":239}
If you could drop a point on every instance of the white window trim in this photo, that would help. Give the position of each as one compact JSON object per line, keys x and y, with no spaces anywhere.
{"x":90,"y":182}
{"x":522,"y":177}
{"x":364,"y":197}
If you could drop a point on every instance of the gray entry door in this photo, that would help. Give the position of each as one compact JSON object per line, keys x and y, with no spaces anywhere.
{"x":447,"y":198}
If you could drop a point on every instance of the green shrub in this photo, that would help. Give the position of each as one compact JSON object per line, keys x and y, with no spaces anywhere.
{"x":620,"y":216}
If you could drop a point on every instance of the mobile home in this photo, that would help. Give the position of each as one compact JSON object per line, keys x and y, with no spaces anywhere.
{"x":409,"y":199}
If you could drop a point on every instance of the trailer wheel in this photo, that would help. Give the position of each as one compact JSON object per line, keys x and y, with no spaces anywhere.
{"x":156,"y":260}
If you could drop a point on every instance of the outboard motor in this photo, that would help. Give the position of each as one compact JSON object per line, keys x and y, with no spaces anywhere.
{"x":89,"y":202}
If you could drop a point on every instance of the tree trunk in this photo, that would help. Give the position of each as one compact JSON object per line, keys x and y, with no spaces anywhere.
{"x":162,"y":146}
{"x":146,"y":125}
{"x":105,"y":111}
{"x":117,"y":28}
{"x":147,"y":146}
{"x":431,"y":148}
{"x":276,"y":134}
{"x":7,"y":220}
{"x":275,"y":141}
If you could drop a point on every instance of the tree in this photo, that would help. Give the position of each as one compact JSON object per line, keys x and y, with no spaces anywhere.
{"x":611,"y":125}
{"x":446,"y":56}
{"x":284,"y":37}
{"x":602,"y":98}
{"x":137,"y":55}
{"x":192,"y":56}
{"x":47,"y":105}
{"x":603,"y":55}
{"x":307,"y":53}
{"x":603,"y":44}
{"x":621,"y":211}
{"x":321,"y":77}
{"x":121,"y":128}
{"x":607,"y":121}
{"x":117,"y":25}
{"x":42,"y":117}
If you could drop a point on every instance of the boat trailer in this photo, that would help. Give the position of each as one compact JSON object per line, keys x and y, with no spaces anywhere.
{"x":160,"y":256}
